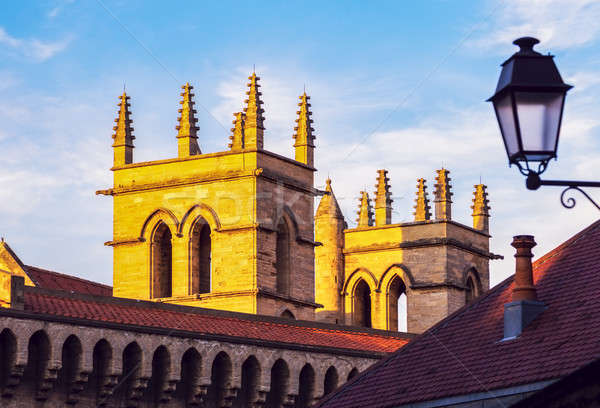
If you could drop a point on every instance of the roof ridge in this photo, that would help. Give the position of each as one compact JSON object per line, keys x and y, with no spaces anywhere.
{"x":69,"y":276}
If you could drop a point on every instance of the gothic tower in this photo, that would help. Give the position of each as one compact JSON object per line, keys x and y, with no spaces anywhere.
{"x":228,"y":230}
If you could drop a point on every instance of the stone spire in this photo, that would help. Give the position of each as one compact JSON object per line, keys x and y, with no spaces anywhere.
{"x":329,"y":205}
{"x":365,"y":211}
{"x":481,"y":209}
{"x":383,"y":201}
{"x":237,"y":132}
{"x":443,"y":195}
{"x":422,"y":208}
{"x":187,"y":137}
{"x":253,"y":126}
{"x":304,"y":145}
{"x":123,"y":136}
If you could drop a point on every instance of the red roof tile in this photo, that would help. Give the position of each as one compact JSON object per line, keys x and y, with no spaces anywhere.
{"x":57,"y":281}
{"x":463,"y":353}
{"x":202,"y":321}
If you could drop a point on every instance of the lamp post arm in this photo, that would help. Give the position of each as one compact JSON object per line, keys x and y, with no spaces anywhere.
{"x":533,"y":182}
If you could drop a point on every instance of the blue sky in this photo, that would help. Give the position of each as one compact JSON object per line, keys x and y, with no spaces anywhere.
{"x":395,"y":85}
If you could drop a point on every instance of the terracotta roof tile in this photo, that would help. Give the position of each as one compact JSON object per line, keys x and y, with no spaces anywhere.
{"x":463,"y":353}
{"x":112,"y":310}
{"x":46,"y":279}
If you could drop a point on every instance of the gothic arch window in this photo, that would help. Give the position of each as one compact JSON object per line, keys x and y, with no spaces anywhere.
{"x":101,"y":362}
{"x":282,"y":257}
{"x":162,"y":254}
{"x":71,"y":360}
{"x":280,"y":377}
{"x":397,"y":305}
{"x":306,"y":387}
{"x":38,"y":356}
{"x":191,"y":366}
{"x":362,"y":304}
{"x":201,"y":255}
{"x":288,"y":315}
{"x":247,"y":396}
{"x":470,"y":290}
{"x":331,"y":380}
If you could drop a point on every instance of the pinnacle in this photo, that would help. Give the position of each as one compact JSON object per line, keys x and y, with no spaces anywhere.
{"x":422,"y":208}
{"x":237,"y":132}
{"x":187,"y":119}
{"x":253,"y":110}
{"x":123,"y":135}
{"x":480,"y":201}
{"x":382,"y":192}
{"x":304,"y":131}
{"x":365,"y":211}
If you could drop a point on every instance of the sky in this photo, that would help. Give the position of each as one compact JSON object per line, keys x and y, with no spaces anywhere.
{"x":393,"y":85}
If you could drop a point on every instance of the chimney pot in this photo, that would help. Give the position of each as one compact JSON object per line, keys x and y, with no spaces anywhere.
{"x":524,"y":288}
{"x":524,"y":307}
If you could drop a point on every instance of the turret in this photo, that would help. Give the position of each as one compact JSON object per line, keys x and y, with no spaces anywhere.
{"x":187,"y":137}
{"x":365,"y":211}
{"x":123,"y":136}
{"x":254,"y":122}
{"x":237,"y":132}
{"x":329,"y":258}
{"x":383,"y":201}
{"x":422,"y":208}
{"x":481,"y":209}
{"x":304,"y":145}
{"x":443,"y":196}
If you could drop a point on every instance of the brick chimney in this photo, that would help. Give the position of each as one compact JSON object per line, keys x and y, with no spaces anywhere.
{"x":524,"y":307}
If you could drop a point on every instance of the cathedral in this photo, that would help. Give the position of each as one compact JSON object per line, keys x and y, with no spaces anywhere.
{"x":229,"y":288}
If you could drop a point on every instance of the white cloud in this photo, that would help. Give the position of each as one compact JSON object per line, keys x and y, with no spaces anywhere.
{"x":558,"y":24}
{"x":34,"y":49}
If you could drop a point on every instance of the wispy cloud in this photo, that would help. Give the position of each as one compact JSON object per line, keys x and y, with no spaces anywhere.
{"x":58,"y":8}
{"x":559,"y":24}
{"x":33,"y":48}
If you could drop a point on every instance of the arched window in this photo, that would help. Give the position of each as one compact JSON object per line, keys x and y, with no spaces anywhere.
{"x":8,"y":353}
{"x":280,"y":377}
{"x":470,"y":290}
{"x":131,"y":369}
{"x":396,"y":299}
{"x":331,"y":380}
{"x":101,"y":362}
{"x":282,"y":260}
{"x":248,"y":394}
{"x":71,"y":360}
{"x":38,"y":355}
{"x":362,"y":304}
{"x":288,"y":315}
{"x":160,"y":373}
{"x":353,"y":373}
{"x":306,"y":387}
{"x":201,"y":247}
{"x":161,"y":261}
{"x":220,"y":379}
{"x":191,"y":364}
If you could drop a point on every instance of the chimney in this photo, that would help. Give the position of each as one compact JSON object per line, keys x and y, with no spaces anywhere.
{"x":524,"y":307}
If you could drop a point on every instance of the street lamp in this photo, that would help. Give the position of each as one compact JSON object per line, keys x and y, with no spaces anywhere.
{"x":529,"y":102}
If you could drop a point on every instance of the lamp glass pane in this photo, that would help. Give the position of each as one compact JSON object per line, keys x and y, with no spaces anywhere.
{"x":539,"y":117}
{"x":506,"y":119}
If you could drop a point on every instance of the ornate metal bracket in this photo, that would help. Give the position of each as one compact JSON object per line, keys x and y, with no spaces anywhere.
{"x":534,"y":182}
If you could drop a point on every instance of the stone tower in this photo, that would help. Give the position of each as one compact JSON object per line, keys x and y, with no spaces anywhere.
{"x":329,"y":257}
{"x":228,"y":230}
{"x":401,"y":275}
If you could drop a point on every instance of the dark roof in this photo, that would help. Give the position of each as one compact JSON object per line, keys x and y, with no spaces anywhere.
{"x":46,"y":279}
{"x":464,"y":354}
{"x":129,"y":314}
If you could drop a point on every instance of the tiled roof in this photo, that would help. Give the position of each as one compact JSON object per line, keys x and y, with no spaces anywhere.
{"x":57,"y":281}
{"x":210,"y":322}
{"x":464,"y":354}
